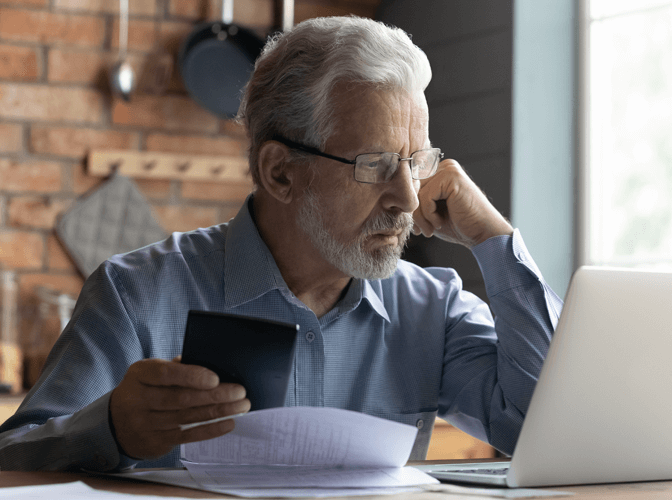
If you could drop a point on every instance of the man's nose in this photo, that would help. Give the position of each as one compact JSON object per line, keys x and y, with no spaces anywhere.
{"x":402,"y":189}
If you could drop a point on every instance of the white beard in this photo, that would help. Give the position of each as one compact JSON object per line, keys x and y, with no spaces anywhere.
{"x":351,"y":258}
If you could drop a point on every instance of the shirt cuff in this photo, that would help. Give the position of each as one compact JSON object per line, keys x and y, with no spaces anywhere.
{"x":505,"y":263}
{"x":93,"y":426}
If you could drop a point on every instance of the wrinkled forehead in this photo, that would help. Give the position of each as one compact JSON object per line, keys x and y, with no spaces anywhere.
{"x":394,"y":117}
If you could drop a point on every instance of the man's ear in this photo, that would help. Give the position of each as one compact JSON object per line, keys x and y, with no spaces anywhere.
{"x":276,"y":173}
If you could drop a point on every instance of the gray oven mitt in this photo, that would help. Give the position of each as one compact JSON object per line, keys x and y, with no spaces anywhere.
{"x":115,"y":218}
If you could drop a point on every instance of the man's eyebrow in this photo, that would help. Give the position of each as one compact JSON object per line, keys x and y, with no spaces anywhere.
{"x":380,"y":149}
{"x":370,"y":150}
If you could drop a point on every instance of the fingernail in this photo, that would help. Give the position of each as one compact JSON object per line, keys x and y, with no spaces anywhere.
{"x":210,"y":379}
{"x":240,"y":392}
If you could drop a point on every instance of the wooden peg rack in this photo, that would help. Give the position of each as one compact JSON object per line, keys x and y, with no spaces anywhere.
{"x":150,"y":165}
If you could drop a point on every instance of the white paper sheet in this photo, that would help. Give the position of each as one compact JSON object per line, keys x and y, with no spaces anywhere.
{"x":70,"y":491}
{"x":308,"y":436}
{"x":307,"y":450}
{"x":183,"y":479}
{"x":321,"y":493}
{"x":301,"y":476}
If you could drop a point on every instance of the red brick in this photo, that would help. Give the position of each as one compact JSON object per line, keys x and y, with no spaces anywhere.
{"x":154,"y":188}
{"x":43,"y":102}
{"x":28,"y":3}
{"x":229,"y":212}
{"x":21,"y":249}
{"x":44,"y":27}
{"x":186,"y":144}
{"x":86,"y":66}
{"x":254,"y":13}
{"x":185,"y":218}
{"x":82,"y":181}
{"x":40,"y":176}
{"x":11,"y":138}
{"x":135,"y":7}
{"x":35,"y":211}
{"x":151,"y":188}
{"x":166,"y":112}
{"x":57,"y":257}
{"x":204,"y":10}
{"x":173,"y":33}
{"x":77,"y":142}
{"x":217,"y":191}
{"x":233,"y":129}
{"x":19,"y":63}
{"x":141,"y":34}
{"x":155,"y":62}
{"x":247,"y":13}
{"x":62,"y":283}
{"x":171,"y":36}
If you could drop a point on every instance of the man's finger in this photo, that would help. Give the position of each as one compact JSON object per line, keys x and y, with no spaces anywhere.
{"x":165,"y":420}
{"x":435,"y":212}
{"x":199,"y":433}
{"x":423,"y":225}
{"x":159,"y":372}
{"x":433,"y":199}
{"x":179,"y":398}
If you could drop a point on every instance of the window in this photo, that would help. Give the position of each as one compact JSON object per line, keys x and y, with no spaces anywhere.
{"x":627,"y":195}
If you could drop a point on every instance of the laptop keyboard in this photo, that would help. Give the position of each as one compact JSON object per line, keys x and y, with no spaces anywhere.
{"x":493,"y":472}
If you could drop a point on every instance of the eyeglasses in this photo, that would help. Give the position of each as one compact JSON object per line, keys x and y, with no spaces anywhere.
{"x":373,"y":168}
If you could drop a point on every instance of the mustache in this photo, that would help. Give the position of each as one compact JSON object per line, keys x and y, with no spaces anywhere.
{"x":389,"y":222}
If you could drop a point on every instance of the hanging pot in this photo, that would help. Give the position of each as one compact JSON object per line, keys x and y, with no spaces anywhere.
{"x":216,"y":61}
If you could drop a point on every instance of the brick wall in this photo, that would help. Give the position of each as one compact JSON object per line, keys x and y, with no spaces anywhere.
{"x":55,"y":106}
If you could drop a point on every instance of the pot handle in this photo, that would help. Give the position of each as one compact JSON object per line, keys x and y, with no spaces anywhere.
{"x":227,"y":11}
{"x":287,"y":15}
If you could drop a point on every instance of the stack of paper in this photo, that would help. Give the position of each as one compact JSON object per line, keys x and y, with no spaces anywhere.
{"x":308,"y":452}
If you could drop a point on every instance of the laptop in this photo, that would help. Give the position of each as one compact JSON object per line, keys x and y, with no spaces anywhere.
{"x":601,"y":410}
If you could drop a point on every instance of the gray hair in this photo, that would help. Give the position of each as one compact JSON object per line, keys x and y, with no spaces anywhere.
{"x":290,"y":89}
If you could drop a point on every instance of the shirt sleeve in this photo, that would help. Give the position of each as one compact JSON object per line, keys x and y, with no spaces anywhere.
{"x":497,"y":375}
{"x":81,"y":440}
{"x":63,"y":423}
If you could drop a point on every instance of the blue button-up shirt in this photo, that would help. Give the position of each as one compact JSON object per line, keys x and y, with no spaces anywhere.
{"x":405,"y":348}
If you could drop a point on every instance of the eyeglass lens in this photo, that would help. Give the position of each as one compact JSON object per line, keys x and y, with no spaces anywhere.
{"x":380,"y":167}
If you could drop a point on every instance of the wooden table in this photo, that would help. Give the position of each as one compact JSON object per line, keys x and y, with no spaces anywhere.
{"x":659,"y":490}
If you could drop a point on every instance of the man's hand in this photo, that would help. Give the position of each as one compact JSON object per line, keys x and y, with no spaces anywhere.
{"x":157,"y":396}
{"x":454,"y":209}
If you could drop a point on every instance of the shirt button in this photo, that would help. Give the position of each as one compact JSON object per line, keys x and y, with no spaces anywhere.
{"x":420,"y":424}
{"x":310,"y":336}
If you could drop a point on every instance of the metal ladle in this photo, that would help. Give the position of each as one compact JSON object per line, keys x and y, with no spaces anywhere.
{"x":122,"y":79}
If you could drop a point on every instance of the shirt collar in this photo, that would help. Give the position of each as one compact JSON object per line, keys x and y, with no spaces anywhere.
{"x":369,"y":293}
{"x":247,"y":261}
{"x":363,"y":290}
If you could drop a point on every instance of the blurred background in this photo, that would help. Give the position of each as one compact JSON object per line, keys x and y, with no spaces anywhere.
{"x":560,"y":110}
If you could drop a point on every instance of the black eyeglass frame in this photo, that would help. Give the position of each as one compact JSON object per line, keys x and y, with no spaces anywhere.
{"x":314,"y":151}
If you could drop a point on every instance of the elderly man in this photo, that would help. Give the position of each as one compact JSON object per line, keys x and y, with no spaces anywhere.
{"x":344,"y":171}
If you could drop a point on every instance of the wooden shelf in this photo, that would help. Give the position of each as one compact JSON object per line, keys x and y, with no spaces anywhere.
{"x":148,"y":165}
